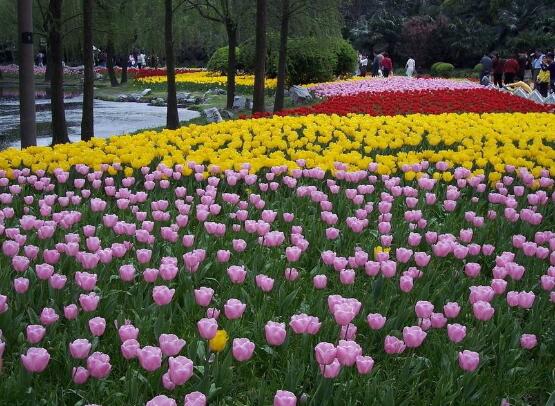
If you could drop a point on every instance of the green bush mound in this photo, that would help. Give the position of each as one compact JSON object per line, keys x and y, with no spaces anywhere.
{"x":442,"y":69}
{"x":218,"y":60}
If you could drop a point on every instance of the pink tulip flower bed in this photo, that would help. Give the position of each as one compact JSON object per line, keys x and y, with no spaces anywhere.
{"x":392,"y":84}
{"x":343,"y":289}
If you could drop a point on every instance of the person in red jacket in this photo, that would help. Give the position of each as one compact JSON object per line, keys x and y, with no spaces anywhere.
{"x":387,"y":65}
{"x":511,"y":69}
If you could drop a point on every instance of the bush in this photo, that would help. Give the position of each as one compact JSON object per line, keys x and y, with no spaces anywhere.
{"x":478,"y":68}
{"x":308,"y":59}
{"x":442,"y":69}
{"x":347,"y":57}
{"x":218,"y":60}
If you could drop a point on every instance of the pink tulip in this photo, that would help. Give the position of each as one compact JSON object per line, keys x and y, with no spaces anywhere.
{"x":223,"y":256}
{"x":376,"y":321}
{"x":237,"y":274}
{"x":469,"y":360}
{"x":21,"y":285}
{"x":79,"y":375}
{"x":483,"y":310}
{"x":364,"y":364}
{"x":128,"y":331}
{"x":284,"y":398}
{"x":161,"y":400}
{"x":331,"y":370}
{"x":127,"y":273}
{"x":71,"y":311}
{"x":129,"y":348}
{"x":35,"y":333}
{"x":98,"y":365}
{"x":195,"y":399}
{"x":392,"y":345}
{"x":48,"y":316}
{"x":89,"y":302}
{"x":180,"y":369}
{"x":456,"y":332}
{"x":234,"y":309}
{"x":150,"y":275}
{"x":97,"y":326}
{"x":150,"y":358}
{"x":438,"y":320}
{"x":528,"y":341}
{"x":35,"y":360}
{"x":424,"y":309}
{"x":275,"y":333}
{"x":207,"y":328}
{"x":406,"y":283}
{"x":242,"y":349}
{"x":162,"y":295}
{"x":291,"y":274}
{"x":347,"y":352}
{"x":451,"y":310}
{"x":413,"y":336}
{"x":264,"y":282}
{"x":526,"y":299}
{"x":203,"y":296}
{"x":80,"y":348}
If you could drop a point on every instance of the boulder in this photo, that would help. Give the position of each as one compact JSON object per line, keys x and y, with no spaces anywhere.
{"x":239,"y":102}
{"x":227,"y":114}
{"x":536,"y":97}
{"x":212,"y":115}
{"x":145,"y":92}
{"x":300,"y":94}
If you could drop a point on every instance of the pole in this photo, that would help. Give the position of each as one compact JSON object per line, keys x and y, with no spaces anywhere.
{"x":26,"y":74}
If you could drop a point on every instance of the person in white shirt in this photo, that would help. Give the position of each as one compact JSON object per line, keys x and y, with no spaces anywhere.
{"x":363,"y":65}
{"x":141,"y":60}
{"x":410,"y":67}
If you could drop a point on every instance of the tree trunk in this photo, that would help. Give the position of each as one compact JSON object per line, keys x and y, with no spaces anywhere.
{"x":231,"y":29}
{"x":172,"y":117}
{"x":282,"y":61}
{"x":110,"y":56}
{"x":260,"y":54}
{"x":48,"y":70}
{"x":27,"y":115}
{"x":123,"y":72}
{"x":87,"y":121}
{"x":59,"y":127}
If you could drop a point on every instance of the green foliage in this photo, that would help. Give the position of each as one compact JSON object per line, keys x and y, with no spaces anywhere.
{"x":346,"y":56}
{"x":218,"y":60}
{"x":478,"y":68}
{"x":308,"y":61}
{"x":442,"y":69}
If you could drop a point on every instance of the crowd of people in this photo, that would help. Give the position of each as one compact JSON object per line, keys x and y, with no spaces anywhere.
{"x":382,"y":65}
{"x":536,"y":69}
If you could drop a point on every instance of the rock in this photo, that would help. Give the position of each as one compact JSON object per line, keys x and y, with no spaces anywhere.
{"x":146,"y":92}
{"x":159,"y":102}
{"x":212,"y":115}
{"x":520,"y":93}
{"x":550,"y":99}
{"x":300,"y":94}
{"x":122,"y":97}
{"x":182,"y":97}
{"x":98,"y":76}
{"x":215,"y":91}
{"x":239,"y":102}
{"x":248,"y":104}
{"x":536,"y":96}
{"x":227,"y":114}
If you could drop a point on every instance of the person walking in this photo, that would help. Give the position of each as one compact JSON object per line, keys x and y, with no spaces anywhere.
{"x":543,"y":78}
{"x":141,"y":60}
{"x":510,"y":70}
{"x":387,"y":65}
{"x":487,"y":65}
{"x":376,"y":62}
{"x":551,"y":69}
{"x":409,"y":66}
{"x":363,"y":65}
{"x":522,"y":59}
{"x":498,"y":68}
{"x":537,"y":60}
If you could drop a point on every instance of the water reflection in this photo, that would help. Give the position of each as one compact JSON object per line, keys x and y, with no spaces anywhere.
{"x":111,"y":118}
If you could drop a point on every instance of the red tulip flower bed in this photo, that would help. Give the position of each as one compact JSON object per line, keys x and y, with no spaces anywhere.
{"x":425,"y":102}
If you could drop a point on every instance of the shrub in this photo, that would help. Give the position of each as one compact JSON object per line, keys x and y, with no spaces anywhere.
{"x":346,"y":57}
{"x":442,"y":69}
{"x":478,"y":68}
{"x":218,"y":60}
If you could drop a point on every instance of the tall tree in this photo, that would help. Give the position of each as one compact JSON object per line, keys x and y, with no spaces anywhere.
{"x":172,"y":117}
{"x":226,"y":12}
{"x":260,"y":55}
{"x":87,"y":121}
{"x":59,"y":126}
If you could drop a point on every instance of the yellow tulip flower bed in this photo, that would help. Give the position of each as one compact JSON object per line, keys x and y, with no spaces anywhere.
{"x":477,"y":142}
{"x":204,"y":79}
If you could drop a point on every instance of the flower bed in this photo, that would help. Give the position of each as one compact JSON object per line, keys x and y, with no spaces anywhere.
{"x":392,"y":103}
{"x":205,"y":80}
{"x":340,"y":257}
{"x":392,"y":84}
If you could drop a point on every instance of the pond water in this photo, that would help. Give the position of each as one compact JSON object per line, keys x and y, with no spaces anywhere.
{"x":110,"y":118}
